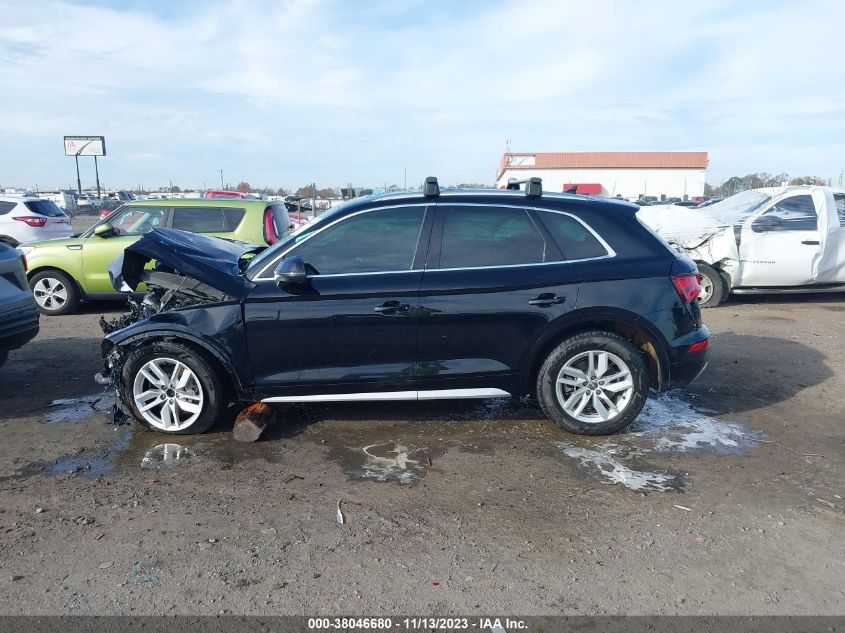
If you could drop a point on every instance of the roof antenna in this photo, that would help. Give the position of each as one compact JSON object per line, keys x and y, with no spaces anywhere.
{"x":431,"y":189}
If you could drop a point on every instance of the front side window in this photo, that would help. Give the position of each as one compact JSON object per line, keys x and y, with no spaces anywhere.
{"x":375,"y":241}
{"x":574,"y":239}
{"x":206,"y":219}
{"x":137,"y":220}
{"x":797,"y":213}
{"x":476,"y":237}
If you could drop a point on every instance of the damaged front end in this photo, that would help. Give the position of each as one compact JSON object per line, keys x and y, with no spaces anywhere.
{"x":192,"y":294}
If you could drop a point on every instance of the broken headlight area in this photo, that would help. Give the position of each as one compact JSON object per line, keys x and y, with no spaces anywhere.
{"x":110,"y":378}
{"x":165,"y":291}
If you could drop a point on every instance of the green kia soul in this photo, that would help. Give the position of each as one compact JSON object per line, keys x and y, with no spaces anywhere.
{"x":63,"y":272}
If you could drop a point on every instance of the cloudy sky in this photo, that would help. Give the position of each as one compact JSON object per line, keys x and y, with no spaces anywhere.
{"x":284,"y":92}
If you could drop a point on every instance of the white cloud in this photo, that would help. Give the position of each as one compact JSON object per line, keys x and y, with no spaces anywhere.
{"x":283,"y":93}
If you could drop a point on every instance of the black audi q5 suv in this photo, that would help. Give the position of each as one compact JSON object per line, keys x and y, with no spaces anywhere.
{"x":414,"y":296}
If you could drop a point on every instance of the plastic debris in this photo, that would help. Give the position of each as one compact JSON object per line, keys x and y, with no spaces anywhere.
{"x":340,"y":519}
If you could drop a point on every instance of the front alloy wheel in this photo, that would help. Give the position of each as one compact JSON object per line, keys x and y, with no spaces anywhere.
{"x":171,"y":388}
{"x":54,"y":292}
{"x":168,"y":394}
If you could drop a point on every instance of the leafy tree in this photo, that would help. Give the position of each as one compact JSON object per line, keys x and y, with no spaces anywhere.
{"x":243,"y":187}
{"x":306,"y":192}
{"x":327,"y":193}
{"x":174,"y":189}
{"x":281,"y":191}
{"x":808,"y":180}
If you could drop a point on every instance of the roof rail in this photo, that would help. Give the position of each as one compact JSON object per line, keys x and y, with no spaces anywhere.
{"x":431,"y":189}
{"x":533,"y":186}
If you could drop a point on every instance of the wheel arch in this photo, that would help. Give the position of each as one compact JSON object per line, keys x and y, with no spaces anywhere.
{"x":30,"y":273}
{"x":221,"y":363}
{"x":628,"y":325}
{"x":9,"y":241}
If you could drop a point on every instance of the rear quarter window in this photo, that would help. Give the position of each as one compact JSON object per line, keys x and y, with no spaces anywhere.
{"x":45,"y":207}
{"x":573,"y":237}
{"x":5,"y":207}
{"x":839,"y":200}
{"x":206,"y":219}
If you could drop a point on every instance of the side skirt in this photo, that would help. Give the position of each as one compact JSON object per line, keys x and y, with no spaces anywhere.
{"x":435,"y":394}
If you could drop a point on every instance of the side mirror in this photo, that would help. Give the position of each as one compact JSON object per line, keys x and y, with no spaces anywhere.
{"x":104,"y":230}
{"x":767,"y":223}
{"x":290,"y":270}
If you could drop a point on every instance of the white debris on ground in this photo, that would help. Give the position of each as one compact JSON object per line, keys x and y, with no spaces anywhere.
{"x":615,"y":472}
{"x":665,"y":425}
{"x":396,"y":465}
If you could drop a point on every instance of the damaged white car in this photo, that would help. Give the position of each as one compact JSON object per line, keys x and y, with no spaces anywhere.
{"x":785,"y":239}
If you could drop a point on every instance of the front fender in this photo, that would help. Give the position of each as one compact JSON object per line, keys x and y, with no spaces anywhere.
{"x":217,"y":330}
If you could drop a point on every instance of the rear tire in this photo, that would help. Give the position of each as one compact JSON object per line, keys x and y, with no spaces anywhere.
{"x":172,"y":389}
{"x":55,"y":292}
{"x":713,"y":287}
{"x":594,"y":383}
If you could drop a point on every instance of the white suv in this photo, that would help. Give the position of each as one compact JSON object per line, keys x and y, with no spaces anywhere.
{"x":30,"y":219}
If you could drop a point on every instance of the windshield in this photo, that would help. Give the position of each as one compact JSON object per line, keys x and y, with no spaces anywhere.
{"x":734,"y":210}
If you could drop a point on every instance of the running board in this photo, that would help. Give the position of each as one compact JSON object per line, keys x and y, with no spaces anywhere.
{"x":789,"y":290}
{"x":435,"y":394}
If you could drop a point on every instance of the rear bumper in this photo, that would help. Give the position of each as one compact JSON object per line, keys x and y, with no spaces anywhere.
{"x":687,"y":365}
{"x":18,"y":326}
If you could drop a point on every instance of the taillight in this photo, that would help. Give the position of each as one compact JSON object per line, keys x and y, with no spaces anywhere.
{"x":33,"y":220}
{"x":271,"y":233}
{"x":688,"y":286}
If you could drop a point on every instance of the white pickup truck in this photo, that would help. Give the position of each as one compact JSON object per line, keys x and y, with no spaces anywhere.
{"x":785,"y":239}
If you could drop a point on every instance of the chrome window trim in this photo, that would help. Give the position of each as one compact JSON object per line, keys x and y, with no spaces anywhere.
{"x":609,"y":252}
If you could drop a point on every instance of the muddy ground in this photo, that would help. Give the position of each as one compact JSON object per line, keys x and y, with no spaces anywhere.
{"x":724,"y":498}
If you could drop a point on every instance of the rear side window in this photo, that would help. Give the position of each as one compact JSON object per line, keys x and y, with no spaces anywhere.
{"x":206,"y":219}
{"x":574,"y":239}
{"x":839,"y":199}
{"x":5,"y":207}
{"x":45,"y":207}
{"x":489,"y":236}
{"x":797,"y":213}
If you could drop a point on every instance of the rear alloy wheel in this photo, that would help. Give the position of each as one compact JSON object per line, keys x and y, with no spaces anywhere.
{"x":54,"y":292}
{"x":171,"y":389}
{"x":713,"y":287}
{"x":595,"y":383}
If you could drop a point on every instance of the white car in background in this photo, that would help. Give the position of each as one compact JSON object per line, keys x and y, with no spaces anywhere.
{"x":31,"y":219}
{"x":784,"y":239}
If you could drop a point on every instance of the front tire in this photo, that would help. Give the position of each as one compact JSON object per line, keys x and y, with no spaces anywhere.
{"x":55,"y":292}
{"x":713,"y":287}
{"x":171,"y":389}
{"x":594,"y":383}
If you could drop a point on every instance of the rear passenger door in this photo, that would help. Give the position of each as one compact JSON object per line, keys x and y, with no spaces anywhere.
{"x":493,"y":279}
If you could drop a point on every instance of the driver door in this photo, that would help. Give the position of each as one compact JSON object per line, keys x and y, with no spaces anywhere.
{"x":351,"y":328}
{"x":98,"y":252}
{"x":781,"y":246}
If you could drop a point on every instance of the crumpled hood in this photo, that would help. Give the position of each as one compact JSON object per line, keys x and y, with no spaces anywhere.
{"x":211,"y":260}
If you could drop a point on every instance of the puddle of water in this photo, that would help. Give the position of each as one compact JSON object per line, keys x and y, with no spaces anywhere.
{"x":615,"y":472}
{"x":391,"y":461}
{"x":168,"y":455}
{"x":666,"y":425}
{"x":674,"y":425}
{"x":79,"y":409}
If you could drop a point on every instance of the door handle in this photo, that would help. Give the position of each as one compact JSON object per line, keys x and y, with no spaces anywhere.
{"x":811,"y":242}
{"x":392,"y":307}
{"x":546,"y":300}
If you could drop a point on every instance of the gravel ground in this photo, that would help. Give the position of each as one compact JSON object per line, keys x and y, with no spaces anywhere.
{"x":726,"y":498}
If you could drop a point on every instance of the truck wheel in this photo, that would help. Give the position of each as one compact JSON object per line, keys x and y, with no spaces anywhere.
{"x":713,"y":287}
{"x":172,"y":389}
{"x":594,"y":383}
{"x":54,"y":292}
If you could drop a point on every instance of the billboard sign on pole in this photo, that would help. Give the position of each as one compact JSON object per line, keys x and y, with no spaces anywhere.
{"x":85,"y":146}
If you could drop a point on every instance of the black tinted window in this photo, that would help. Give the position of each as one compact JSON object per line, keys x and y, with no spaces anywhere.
{"x":45,"y":207}
{"x":839,"y":199}
{"x":573,"y":238}
{"x":489,"y":236}
{"x":797,"y":213}
{"x":375,"y":241}
{"x":5,"y":207}
{"x":206,"y":219}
